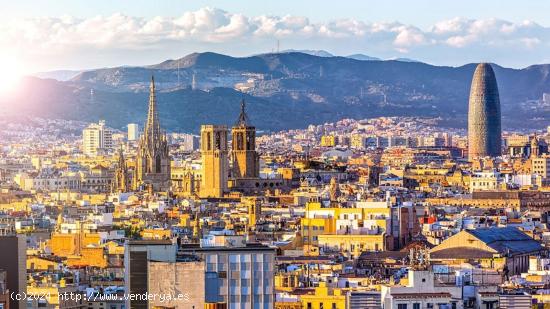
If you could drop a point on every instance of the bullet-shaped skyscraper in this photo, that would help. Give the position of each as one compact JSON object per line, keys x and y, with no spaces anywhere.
{"x":484,"y":129}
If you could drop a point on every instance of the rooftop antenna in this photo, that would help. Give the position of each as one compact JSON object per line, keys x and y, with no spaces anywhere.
{"x":194,"y":82}
{"x":178,"y":73}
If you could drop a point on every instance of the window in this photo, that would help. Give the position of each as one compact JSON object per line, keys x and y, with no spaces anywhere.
{"x":416,"y":306}
{"x":308,"y":305}
{"x":333,"y":306}
{"x":401,"y":306}
{"x":321,"y":306}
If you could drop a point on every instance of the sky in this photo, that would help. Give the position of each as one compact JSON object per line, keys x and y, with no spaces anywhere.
{"x":71,"y":34}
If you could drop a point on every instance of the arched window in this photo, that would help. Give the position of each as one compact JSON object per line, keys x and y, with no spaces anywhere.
{"x":157,"y":164}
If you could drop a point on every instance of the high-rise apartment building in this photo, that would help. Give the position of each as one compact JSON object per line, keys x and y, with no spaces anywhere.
{"x":236,"y":273}
{"x":189,"y":142}
{"x":541,"y":166}
{"x":133,"y":131}
{"x":221,"y":269}
{"x":97,"y":138}
{"x":215,"y":163}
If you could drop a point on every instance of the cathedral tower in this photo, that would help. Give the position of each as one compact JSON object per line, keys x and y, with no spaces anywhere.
{"x":215,"y":163}
{"x":243,"y":148}
{"x":121,"y":182}
{"x":153,"y":160}
{"x":534,"y":147}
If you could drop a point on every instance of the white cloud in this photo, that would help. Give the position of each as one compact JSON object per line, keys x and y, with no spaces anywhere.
{"x":211,"y":27}
{"x":409,"y":36}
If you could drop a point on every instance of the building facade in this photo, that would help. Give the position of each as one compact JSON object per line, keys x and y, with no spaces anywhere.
{"x":97,"y":138}
{"x":215,"y":162}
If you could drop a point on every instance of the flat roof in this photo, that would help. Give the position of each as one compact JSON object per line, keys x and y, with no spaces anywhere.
{"x":186,"y":248}
{"x":149,"y":242}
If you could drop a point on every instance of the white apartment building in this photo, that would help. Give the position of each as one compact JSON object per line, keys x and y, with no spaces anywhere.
{"x":97,"y":138}
{"x":421,"y":292}
{"x":486,"y":181}
{"x":133,"y":132}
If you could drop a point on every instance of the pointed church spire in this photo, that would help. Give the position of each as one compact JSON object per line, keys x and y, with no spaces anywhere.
{"x":153,"y":159}
{"x":121,"y":161}
{"x":152,"y":126}
{"x":243,"y":117}
{"x":534,"y":146}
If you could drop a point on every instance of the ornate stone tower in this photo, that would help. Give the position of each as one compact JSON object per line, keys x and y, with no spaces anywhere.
{"x":534,"y":147}
{"x":153,"y":160}
{"x":243,"y":148}
{"x":121,"y":182}
{"x":334,"y":190}
{"x":215,"y":163}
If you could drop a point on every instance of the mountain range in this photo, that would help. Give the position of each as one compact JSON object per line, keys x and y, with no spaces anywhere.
{"x":283,"y":91}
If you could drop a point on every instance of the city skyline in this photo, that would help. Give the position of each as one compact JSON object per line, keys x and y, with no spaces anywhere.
{"x":302,"y":155}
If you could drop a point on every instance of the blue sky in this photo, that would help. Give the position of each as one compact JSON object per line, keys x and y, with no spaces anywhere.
{"x":419,"y":12}
{"x":64,"y":34}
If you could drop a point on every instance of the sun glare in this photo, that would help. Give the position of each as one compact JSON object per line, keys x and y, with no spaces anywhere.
{"x":12,"y":73}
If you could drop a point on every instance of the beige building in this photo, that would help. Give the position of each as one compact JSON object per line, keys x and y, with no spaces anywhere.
{"x":358,"y":141}
{"x":172,"y":279}
{"x":541,"y":166}
{"x":483,"y":181}
{"x":328,"y":141}
{"x":504,"y":249}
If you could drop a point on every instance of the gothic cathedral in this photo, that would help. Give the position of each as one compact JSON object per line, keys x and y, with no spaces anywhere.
{"x":152,"y":169}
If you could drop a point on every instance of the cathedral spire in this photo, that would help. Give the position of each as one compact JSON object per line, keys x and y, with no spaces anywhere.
{"x":120,"y":183}
{"x":153,"y":158}
{"x":243,"y":117}
{"x":152,"y":126}
{"x":121,"y":161}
